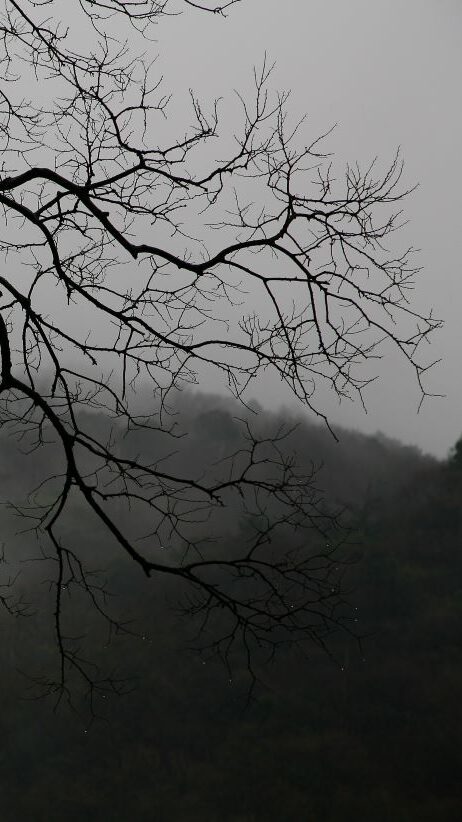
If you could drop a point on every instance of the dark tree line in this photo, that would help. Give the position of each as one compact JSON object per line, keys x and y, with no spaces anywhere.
{"x":357,"y":735}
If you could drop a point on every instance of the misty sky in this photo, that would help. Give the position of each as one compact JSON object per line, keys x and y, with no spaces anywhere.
{"x":388,"y":73}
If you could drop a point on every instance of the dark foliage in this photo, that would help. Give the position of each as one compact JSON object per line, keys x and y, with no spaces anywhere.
{"x":366,"y":733}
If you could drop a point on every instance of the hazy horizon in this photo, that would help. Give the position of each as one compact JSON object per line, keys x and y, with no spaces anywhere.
{"x":387,"y":74}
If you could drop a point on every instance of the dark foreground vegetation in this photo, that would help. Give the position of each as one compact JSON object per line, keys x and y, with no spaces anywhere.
{"x":369,"y":730}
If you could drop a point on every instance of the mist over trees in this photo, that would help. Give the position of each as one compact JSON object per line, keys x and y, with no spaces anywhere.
{"x":369,"y":730}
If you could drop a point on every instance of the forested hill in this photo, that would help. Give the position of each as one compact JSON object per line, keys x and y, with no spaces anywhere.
{"x":366,"y":731}
{"x":351,"y":466}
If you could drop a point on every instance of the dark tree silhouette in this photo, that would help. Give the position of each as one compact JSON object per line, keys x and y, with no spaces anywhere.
{"x":133,"y":259}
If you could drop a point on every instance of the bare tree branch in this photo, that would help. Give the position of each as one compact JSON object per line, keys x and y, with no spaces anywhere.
{"x":131,"y":261}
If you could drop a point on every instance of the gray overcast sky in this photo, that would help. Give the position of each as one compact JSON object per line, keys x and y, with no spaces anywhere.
{"x":389,"y":73}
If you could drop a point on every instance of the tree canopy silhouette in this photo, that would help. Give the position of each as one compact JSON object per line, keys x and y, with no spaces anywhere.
{"x":136,"y":261}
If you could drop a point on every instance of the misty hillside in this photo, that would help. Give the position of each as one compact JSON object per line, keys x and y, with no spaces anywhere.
{"x":367,"y":729}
